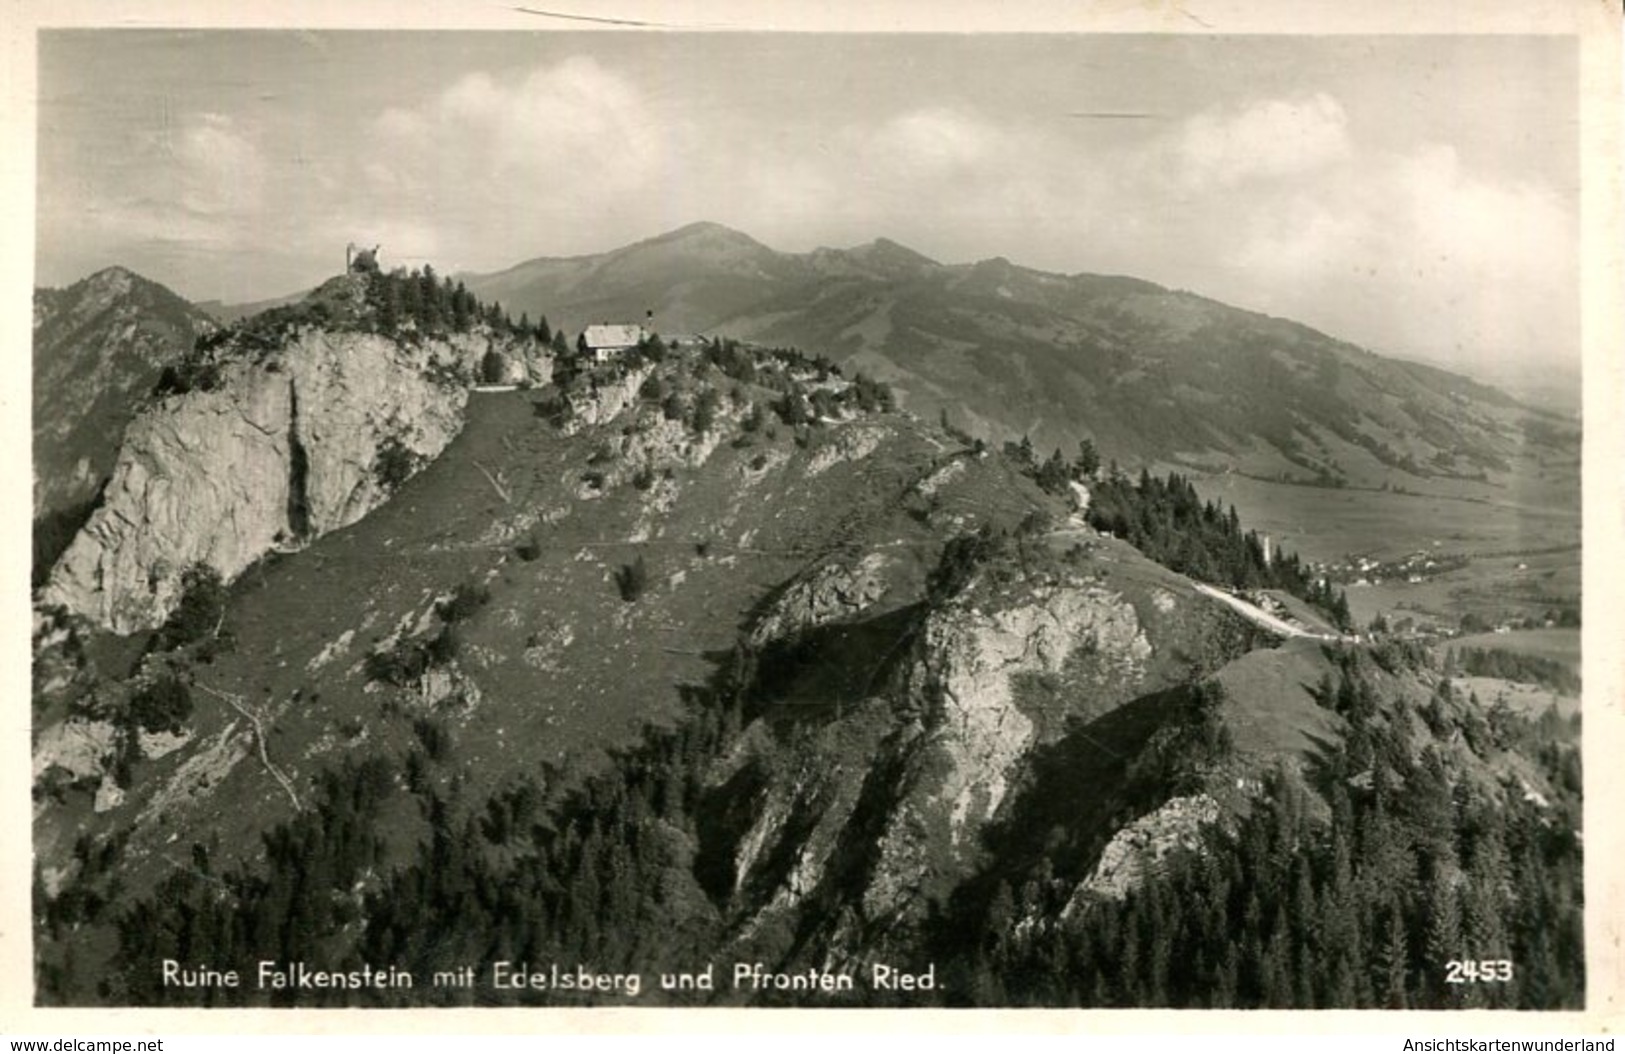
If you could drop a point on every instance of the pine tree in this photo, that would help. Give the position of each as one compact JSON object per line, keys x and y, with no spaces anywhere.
{"x":1276,"y":991}
{"x":1340,"y":612}
{"x":1053,"y":475}
{"x":1443,"y":943}
{"x":462,"y":309}
{"x":429,"y":300}
{"x":1392,"y":964}
{"x":1484,"y":911}
{"x":411,"y":293}
{"x":1088,"y":462}
{"x":387,"y":292}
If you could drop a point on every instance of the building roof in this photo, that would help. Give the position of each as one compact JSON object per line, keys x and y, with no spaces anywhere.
{"x":614,"y":336}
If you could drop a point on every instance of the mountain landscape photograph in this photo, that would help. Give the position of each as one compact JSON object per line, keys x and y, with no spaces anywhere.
{"x":569,"y":518}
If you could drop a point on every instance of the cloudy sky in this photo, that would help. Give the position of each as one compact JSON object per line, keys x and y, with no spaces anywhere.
{"x":1417,"y":195}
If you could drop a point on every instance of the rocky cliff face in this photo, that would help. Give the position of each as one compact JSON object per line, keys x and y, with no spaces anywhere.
{"x":971,"y":668}
{"x":969,"y":675}
{"x":278,"y":452}
{"x":832,"y":592}
{"x":894,"y":831}
{"x":606,"y":401}
{"x":1143,"y":847}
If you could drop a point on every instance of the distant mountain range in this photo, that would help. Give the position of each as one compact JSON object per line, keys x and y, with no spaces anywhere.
{"x":1549,"y":382}
{"x":1152,"y":376}
{"x":1146,"y":372}
{"x":99,"y":346}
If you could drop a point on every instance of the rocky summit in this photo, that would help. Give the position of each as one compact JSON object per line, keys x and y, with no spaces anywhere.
{"x":271,"y":454}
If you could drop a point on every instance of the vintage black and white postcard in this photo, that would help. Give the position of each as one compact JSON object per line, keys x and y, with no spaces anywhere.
{"x":691,"y":507}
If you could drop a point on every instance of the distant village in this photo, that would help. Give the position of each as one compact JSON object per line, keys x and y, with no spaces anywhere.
{"x":1359,"y":570}
{"x":1365,"y":570}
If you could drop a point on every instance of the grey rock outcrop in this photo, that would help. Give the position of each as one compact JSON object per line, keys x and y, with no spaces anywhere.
{"x":606,"y":401}
{"x":938,"y":779}
{"x":846,"y":443}
{"x":832,"y":593}
{"x":278,"y":453}
{"x":966,"y":674}
{"x":1139,"y":850}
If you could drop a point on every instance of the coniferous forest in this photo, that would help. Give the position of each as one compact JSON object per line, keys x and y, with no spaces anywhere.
{"x":1376,"y":879}
{"x":1168,"y":521}
{"x":1390,"y":871}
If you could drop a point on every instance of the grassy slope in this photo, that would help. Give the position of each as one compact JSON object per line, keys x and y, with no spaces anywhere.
{"x":1323,"y":523}
{"x":623,"y":663}
{"x":1270,"y":710}
{"x":1527,"y":699}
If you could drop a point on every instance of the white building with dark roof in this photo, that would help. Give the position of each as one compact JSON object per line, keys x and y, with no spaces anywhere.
{"x":607,"y":341}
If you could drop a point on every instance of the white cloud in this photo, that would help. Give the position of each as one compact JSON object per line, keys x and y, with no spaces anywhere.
{"x":220,"y":171}
{"x":203,"y":184}
{"x":939,"y":177}
{"x":1300,"y":235}
{"x":1501,"y":256}
{"x":934,"y":140}
{"x":496,"y":164}
{"x":475,"y":98}
{"x":572,"y":127}
{"x":402,"y":126}
{"x":1412,"y":253}
{"x":1269,"y":139}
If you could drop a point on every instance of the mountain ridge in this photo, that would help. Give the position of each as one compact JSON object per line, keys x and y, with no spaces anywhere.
{"x":514,"y":286}
{"x":1005,"y":349}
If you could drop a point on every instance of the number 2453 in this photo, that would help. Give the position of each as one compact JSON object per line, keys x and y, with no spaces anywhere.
{"x":1477,"y":971}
